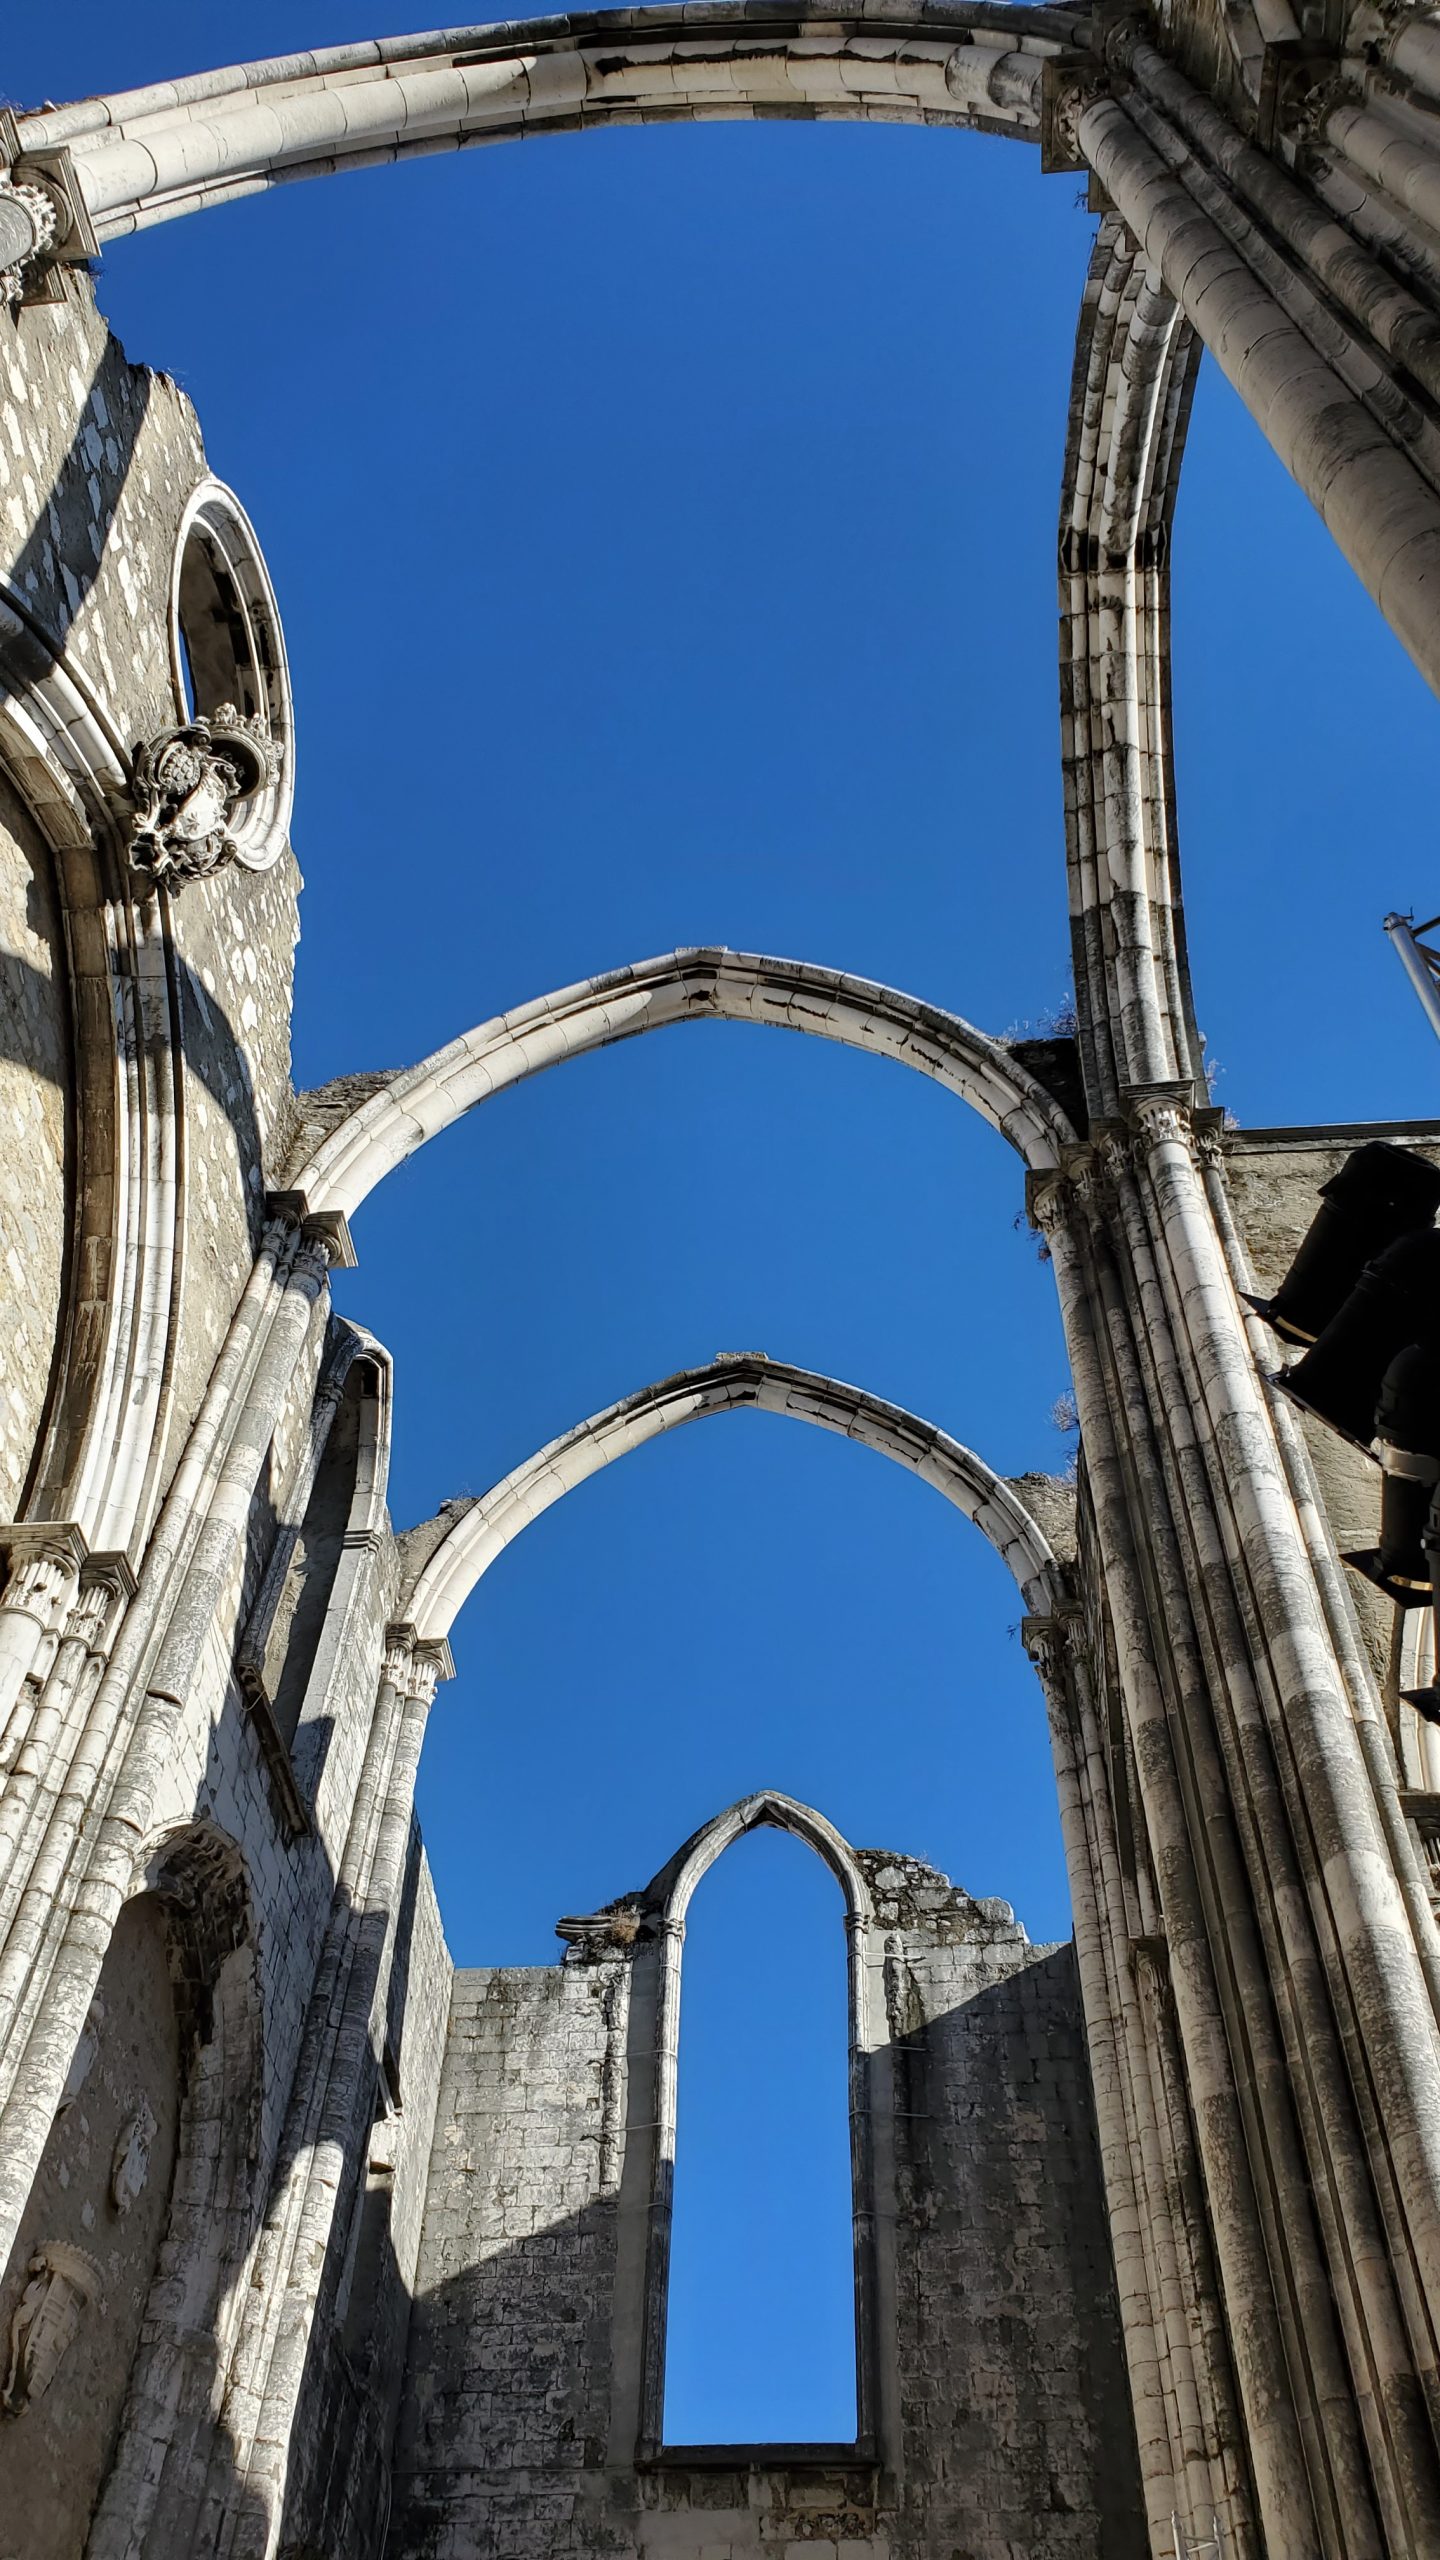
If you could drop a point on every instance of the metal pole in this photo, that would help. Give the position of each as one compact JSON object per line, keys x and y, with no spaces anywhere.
{"x":1421,"y":965}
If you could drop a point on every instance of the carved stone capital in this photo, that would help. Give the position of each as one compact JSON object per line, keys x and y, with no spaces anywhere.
{"x":1069,"y":84}
{"x":45,"y":1558}
{"x":415,"y":1664}
{"x":106,"y":1581}
{"x":1048,"y":1200}
{"x":1158,"y":1113}
{"x":44,"y":222}
{"x":186,"y":787}
{"x":324,"y":1226}
{"x":1050,"y":1642}
{"x":29,"y":226}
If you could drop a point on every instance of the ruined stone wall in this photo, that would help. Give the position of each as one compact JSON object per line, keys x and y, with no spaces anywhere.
{"x":338,"y":2490}
{"x":35,"y":1066}
{"x":90,"y":509}
{"x":1002,"y":2358}
{"x":1011,"y":2372}
{"x":89,"y":2243}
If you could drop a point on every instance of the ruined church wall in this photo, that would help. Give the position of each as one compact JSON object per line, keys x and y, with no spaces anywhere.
{"x":1003,"y":2363}
{"x":90,"y":510}
{"x":35,"y":1053}
{"x":1012,"y":2334}
{"x":96,"y":2213}
{"x":338,"y":2486}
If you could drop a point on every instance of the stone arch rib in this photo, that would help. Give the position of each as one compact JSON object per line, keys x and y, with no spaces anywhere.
{"x":1135,"y":364}
{"x":670,"y":1891}
{"x":144,"y":156}
{"x":483,"y":1529}
{"x":346,"y":1148}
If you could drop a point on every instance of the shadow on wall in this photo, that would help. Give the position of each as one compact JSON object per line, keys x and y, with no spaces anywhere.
{"x":1014,"y":2412}
{"x":338,"y":2480}
{"x":219,"y":1060}
{"x":136,"y":2226}
{"x":55,"y":564}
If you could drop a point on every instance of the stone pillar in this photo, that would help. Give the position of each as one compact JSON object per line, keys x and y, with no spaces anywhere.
{"x":42,"y":1741}
{"x":82,"y":1869}
{"x":1279,"y":1904}
{"x":1301,"y":385}
{"x":1181,"y":2377}
{"x":332,"y":2101}
{"x":45,"y":1557}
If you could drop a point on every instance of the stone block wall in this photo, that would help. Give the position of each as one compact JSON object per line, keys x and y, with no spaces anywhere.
{"x":996,"y":2334}
{"x":35,"y":1149}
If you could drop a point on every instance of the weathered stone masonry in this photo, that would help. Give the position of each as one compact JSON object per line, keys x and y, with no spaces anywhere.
{"x":311,"y":2247}
{"x":998,"y":2346}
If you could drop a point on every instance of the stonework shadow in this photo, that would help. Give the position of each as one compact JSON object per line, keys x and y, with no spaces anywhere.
{"x":1000,"y":2359}
{"x":54,"y":566}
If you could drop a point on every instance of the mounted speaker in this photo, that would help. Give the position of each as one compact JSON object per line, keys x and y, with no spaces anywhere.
{"x":1395,"y":1302}
{"x":1379,"y":1194}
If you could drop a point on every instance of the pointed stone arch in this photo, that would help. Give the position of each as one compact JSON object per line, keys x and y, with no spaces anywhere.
{"x":354,"y":1132}
{"x":670,"y":1891}
{"x":476,"y":1533}
{"x":647,"y":2195}
{"x":144,"y":156}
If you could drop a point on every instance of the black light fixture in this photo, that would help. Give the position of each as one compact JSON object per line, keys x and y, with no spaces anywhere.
{"x":1393,"y":1303}
{"x":1379,"y":1194}
{"x":1407,"y":1444}
{"x":1426,"y":1702}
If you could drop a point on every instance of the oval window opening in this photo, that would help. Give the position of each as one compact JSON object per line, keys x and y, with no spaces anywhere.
{"x":217,"y":654}
{"x":227,"y":648}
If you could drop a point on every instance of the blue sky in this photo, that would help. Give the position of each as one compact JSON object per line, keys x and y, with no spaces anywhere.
{"x":664,"y":528}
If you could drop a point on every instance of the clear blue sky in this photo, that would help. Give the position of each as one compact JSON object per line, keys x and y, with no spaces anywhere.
{"x":664,"y":527}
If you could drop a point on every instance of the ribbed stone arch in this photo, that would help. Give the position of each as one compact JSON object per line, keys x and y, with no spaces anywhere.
{"x":1135,"y":366}
{"x":346,"y":1148}
{"x":143,"y":156}
{"x":480,"y":1532}
{"x":671,"y":1890}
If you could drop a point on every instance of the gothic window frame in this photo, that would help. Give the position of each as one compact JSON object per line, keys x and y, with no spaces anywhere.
{"x":648,"y":2182}
{"x":215,"y":530}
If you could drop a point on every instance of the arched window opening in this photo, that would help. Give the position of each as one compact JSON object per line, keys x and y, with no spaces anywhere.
{"x":761,"y":2309}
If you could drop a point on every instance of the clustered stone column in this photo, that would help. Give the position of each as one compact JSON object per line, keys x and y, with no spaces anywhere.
{"x":63,"y":1897}
{"x":332,"y":2102}
{"x":1336,"y":357}
{"x":1282,"y":1932}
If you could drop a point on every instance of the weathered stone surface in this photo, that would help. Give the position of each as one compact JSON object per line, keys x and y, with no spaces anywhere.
{"x":216,"y":1659}
{"x":1002,"y":2359}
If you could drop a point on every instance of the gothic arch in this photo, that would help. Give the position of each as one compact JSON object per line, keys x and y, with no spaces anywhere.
{"x":476,"y":1534}
{"x":670,"y":1891}
{"x":647,"y":2193}
{"x":144,"y":156}
{"x":347,"y":1148}
{"x":1135,"y":367}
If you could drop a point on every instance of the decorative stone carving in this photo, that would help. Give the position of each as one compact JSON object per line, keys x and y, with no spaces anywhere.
{"x":61,"y":2283}
{"x":187,"y":786}
{"x":24,"y":207}
{"x":130,"y":2165}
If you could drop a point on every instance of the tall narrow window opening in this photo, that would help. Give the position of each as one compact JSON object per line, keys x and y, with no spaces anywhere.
{"x":761,"y":2325}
